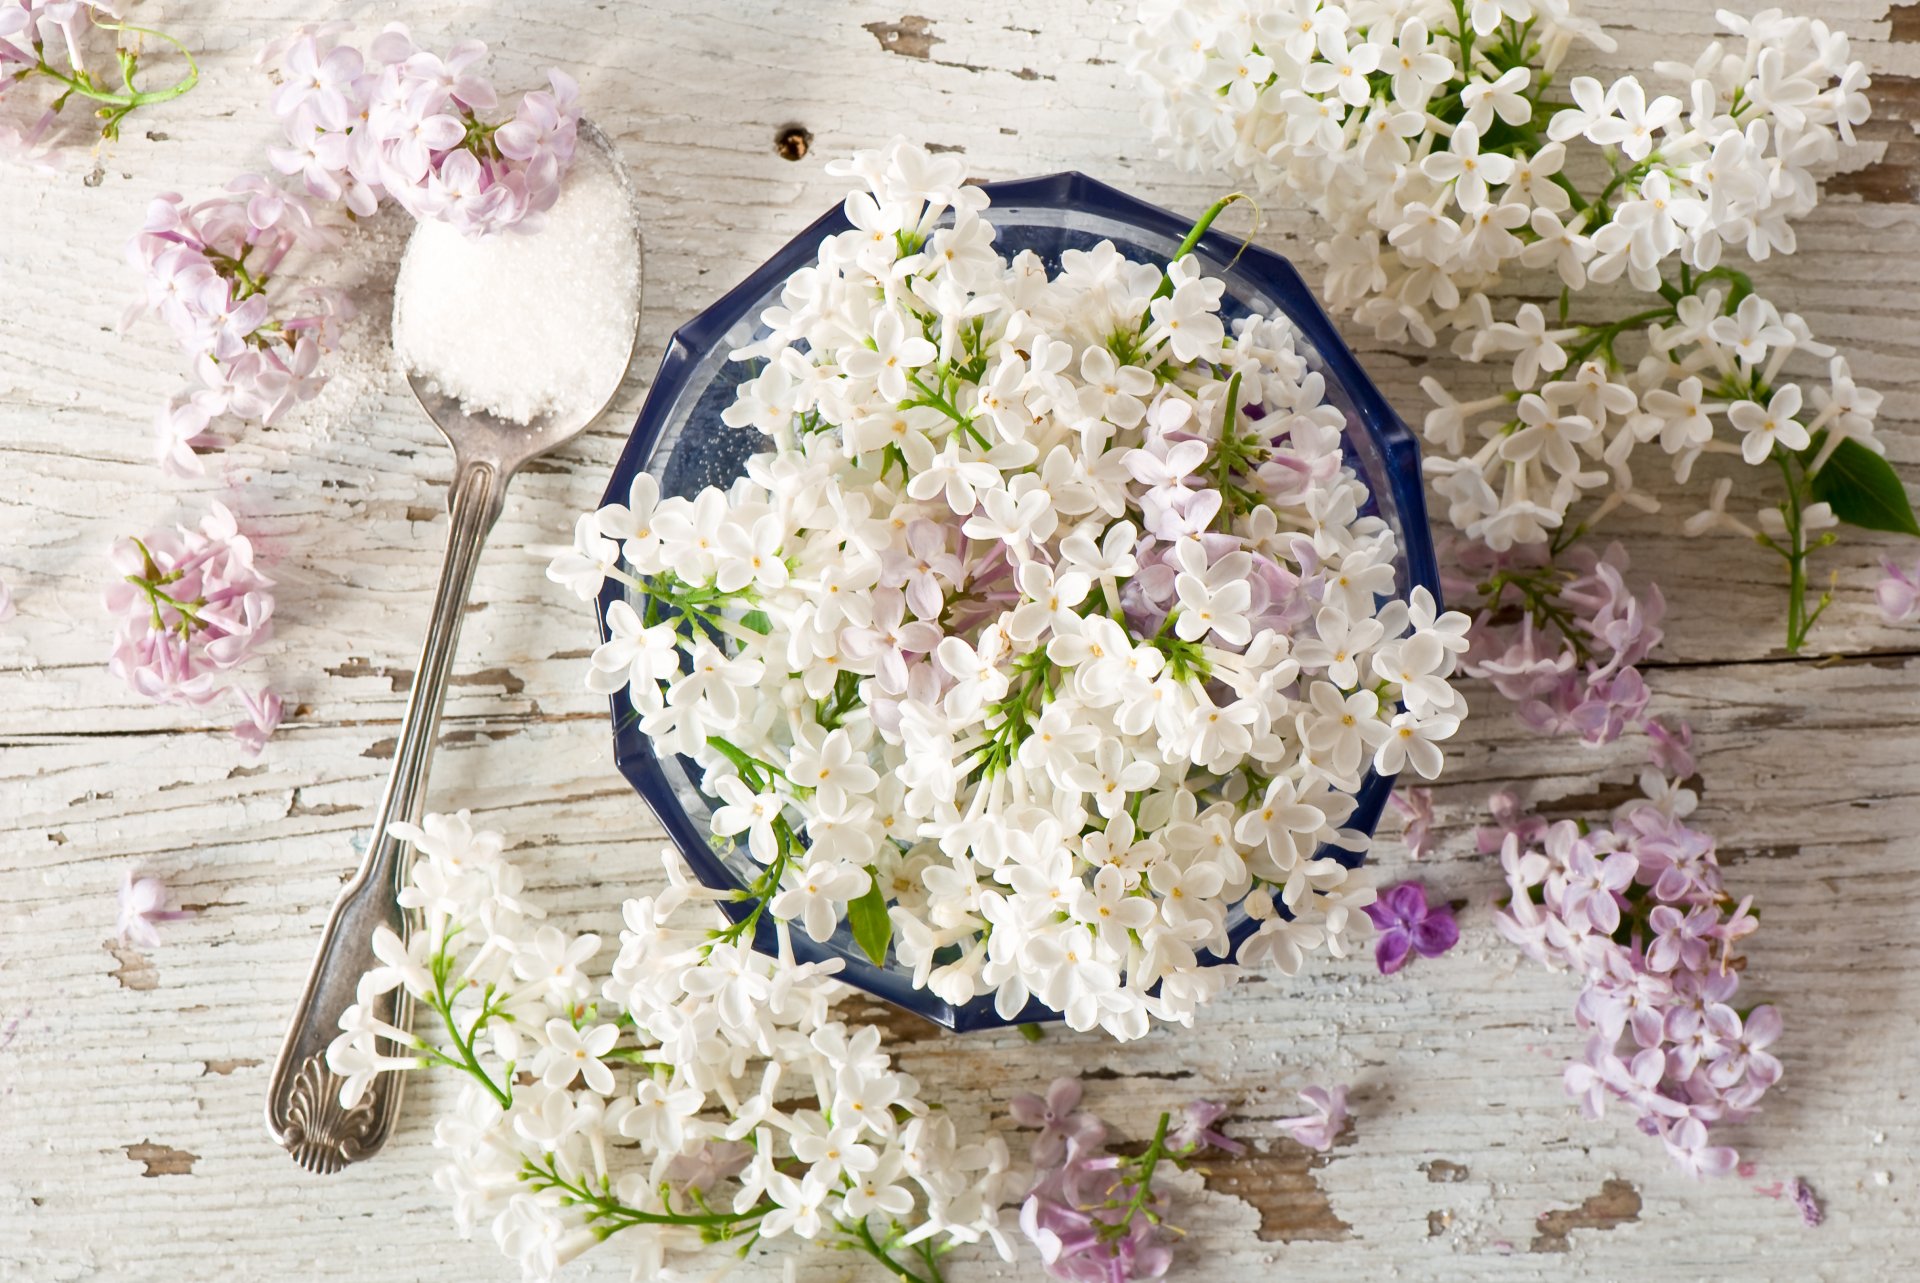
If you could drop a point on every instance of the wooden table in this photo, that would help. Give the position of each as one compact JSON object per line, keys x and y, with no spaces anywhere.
{"x":131,"y":1081}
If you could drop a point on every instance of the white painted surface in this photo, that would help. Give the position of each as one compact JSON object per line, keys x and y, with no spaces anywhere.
{"x":1812,"y":770}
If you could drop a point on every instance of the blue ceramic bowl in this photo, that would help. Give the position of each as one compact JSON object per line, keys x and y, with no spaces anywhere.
{"x":680,"y":439}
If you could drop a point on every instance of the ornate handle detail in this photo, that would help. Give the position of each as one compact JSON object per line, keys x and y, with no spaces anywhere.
{"x":303,"y":1098}
{"x":321,"y":1136}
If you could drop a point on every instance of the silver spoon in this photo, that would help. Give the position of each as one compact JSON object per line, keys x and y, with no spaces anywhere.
{"x":303,"y":1105}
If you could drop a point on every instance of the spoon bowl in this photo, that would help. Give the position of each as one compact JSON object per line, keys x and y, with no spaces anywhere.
{"x":493,"y":436}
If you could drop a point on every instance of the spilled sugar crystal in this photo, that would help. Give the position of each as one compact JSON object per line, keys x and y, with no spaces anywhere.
{"x":527,"y":324}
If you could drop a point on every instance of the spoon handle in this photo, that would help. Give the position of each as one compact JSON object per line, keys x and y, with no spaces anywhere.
{"x":303,"y":1099}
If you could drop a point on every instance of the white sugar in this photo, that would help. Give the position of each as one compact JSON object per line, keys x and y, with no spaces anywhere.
{"x":527,"y":324}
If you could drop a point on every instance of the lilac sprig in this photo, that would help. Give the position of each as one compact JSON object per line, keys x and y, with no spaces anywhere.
{"x":1096,"y":1216}
{"x":394,"y":123}
{"x":1562,"y":639}
{"x":1637,"y":909}
{"x":400,"y":122}
{"x":48,"y":40}
{"x":193,"y":608}
{"x":213,"y":272}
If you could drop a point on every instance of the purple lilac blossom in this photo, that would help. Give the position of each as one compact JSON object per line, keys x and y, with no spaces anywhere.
{"x":1807,"y":1201}
{"x":1321,"y":1125}
{"x":1416,"y":810}
{"x":1580,"y":676}
{"x":210,"y":270}
{"x":1671,"y":748}
{"x":1508,"y":821}
{"x":419,"y":128}
{"x":395,"y":122}
{"x":1195,"y":1130}
{"x":192,"y":608}
{"x":1057,"y":1116}
{"x":1638,"y":910}
{"x":1408,"y":925}
{"x":262,"y":710}
{"x":1085,"y":1212}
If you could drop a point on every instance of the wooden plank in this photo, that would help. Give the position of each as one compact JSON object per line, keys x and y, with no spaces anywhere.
{"x":131,"y":1081}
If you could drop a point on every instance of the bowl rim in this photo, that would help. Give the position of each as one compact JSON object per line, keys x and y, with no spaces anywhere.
{"x":1070,"y":189}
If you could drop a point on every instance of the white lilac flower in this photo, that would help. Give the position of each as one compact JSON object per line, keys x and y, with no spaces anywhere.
{"x":696,"y":1050}
{"x":1031,"y":554}
{"x":1420,"y":148}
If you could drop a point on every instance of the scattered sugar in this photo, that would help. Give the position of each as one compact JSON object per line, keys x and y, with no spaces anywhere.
{"x":527,"y":324}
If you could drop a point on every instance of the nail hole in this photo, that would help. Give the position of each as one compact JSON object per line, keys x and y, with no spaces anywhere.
{"x":792,"y":142}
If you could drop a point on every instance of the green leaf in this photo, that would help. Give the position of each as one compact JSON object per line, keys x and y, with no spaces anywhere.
{"x":867,"y":916}
{"x":1862,"y":488}
{"x":758,"y":621}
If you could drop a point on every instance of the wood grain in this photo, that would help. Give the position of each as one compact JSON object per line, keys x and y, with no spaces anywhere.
{"x":131,"y":1081}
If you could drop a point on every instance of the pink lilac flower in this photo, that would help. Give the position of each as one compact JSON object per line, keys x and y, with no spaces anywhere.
{"x":395,"y":121}
{"x":1408,"y":925}
{"x":1530,"y":666}
{"x":1056,"y":1115}
{"x":1899,"y":593}
{"x":1597,"y":709}
{"x":1570,"y":658}
{"x":391,"y":122}
{"x":1594,"y":884}
{"x":211,"y":273}
{"x":1416,"y":810}
{"x":1625,"y":626}
{"x":1321,"y":1125}
{"x":143,"y":904}
{"x":193,"y":607}
{"x":1687,"y":1141}
{"x":263,"y":709}
{"x":1195,"y":1130}
{"x":1087,"y":1212}
{"x":1508,"y":821}
{"x":1671,"y":748}
{"x":1637,"y":910}
{"x":1744,"y":1052}
{"x":1807,"y":1201}
{"x":1680,"y":939}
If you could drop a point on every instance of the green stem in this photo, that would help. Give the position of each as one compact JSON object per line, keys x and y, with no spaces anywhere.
{"x":1540,"y":598}
{"x":1600,"y":338}
{"x":946,"y":407}
{"x":1193,"y":236}
{"x":115,"y":106}
{"x":1799,"y":619}
{"x":1143,"y":1183}
{"x":468,"y":1061}
{"x":862,"y":1238}
{"x":1035,"y":676}
{"x":764,"y":887}
{"x":608,"y":1215}
{"x":1464,"y":35}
